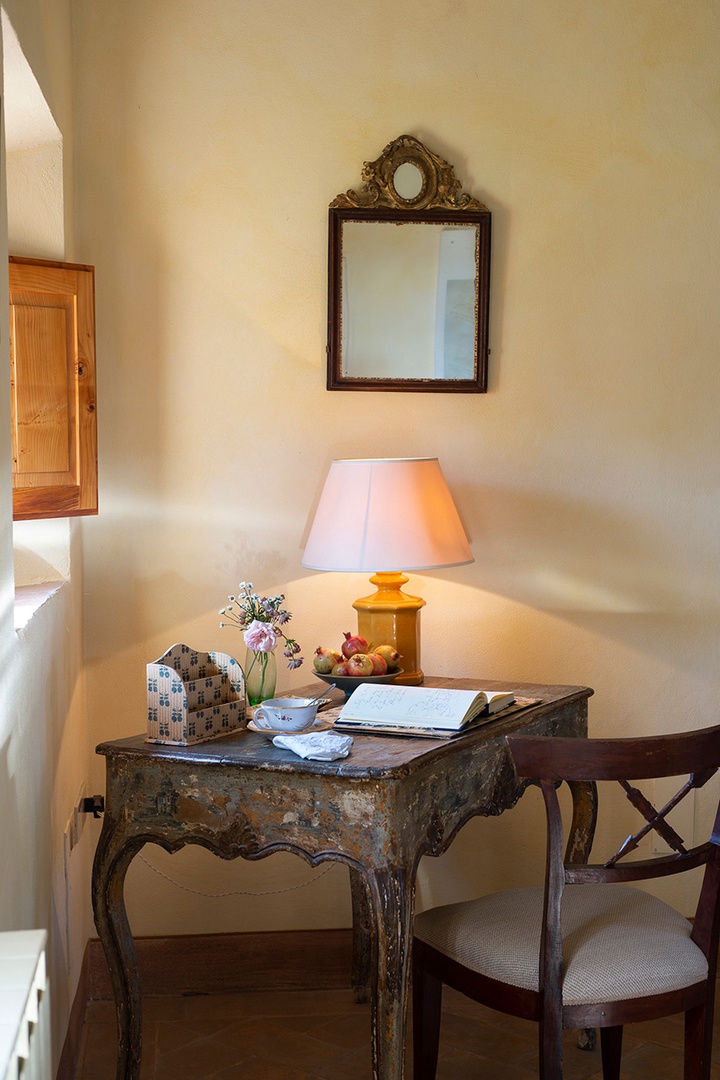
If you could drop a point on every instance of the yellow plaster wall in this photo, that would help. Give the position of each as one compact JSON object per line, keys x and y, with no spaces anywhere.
{"x":209,"y":140}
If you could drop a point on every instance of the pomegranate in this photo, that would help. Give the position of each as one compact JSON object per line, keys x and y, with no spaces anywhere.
{"x":390,"y":655}
{"x":359,"y":665}
{"x":340,"y":668}
{"x":325,"y":659}
{"x":379,"y":664}
{"x":352,"y":644}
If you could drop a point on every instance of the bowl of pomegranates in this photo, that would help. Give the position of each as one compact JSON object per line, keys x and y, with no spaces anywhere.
{"x":356,"y":661}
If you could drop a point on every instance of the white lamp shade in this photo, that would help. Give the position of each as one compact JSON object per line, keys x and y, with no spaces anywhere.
{"x":386,"y":514}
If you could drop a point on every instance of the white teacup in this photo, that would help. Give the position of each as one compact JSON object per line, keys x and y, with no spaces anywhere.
{"x":285,"y":714}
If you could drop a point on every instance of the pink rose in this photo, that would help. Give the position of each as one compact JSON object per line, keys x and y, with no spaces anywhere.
{"x":260,"y":636}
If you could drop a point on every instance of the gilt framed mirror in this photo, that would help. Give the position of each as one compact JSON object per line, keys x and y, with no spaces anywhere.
{"x":408,"y":278}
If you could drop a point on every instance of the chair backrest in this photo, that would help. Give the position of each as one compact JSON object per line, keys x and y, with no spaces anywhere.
{"x":693,"y":754}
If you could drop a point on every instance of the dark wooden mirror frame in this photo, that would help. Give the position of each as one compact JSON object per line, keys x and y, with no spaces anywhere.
{"x":440,"y":201}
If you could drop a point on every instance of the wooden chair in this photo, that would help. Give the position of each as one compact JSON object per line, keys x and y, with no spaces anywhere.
{"x":616,"y":954}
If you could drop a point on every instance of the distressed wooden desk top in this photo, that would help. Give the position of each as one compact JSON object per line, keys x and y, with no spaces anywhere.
{"x":372,"y":756}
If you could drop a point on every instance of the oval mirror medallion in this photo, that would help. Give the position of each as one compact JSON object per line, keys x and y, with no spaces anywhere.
{"x":408,"y":181}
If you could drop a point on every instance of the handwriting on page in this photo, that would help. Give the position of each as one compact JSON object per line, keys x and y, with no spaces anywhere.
{"x":433,"y":704}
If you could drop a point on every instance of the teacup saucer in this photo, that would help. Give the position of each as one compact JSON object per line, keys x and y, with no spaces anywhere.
{"x":320,"y":723}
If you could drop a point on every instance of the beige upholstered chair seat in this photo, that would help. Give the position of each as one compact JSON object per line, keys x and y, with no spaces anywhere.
{"x":618,"y":942}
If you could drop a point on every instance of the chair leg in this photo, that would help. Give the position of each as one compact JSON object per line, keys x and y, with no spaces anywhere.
{"x":427,"y":1002}
{"x":698,"y":1044}
{"x":550,"y":1033}
{"x":611,"y":1051}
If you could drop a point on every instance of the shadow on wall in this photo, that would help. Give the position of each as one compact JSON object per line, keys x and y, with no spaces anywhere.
{"x":558,"y":555}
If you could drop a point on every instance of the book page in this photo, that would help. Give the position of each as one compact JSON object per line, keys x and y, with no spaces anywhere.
{"x":417,"y":706}
{"x":497,"y":700}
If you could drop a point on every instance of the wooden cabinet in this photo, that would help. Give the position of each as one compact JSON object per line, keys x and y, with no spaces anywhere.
{"x":52,"y":361}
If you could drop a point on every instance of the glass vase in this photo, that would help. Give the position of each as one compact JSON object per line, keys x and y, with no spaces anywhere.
{"x":260,"y":675}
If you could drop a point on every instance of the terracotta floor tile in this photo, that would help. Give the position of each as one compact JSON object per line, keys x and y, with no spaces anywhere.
{"x":669,"y":1031}
{"x":324,"y":1035}
{"x":252,"y":1069}
{"x":353,"y":1066}
{"x":270,"y":1041}
{"x":577,"y":1064}
{"x":350,"y":1031}
{"x":198,"y":1060}
{"x":652,"y":1062}
{"x":268,"y":1003}
{"x":487,"y":1040}
{"x":460,"y":1065}
{"x":173,"y":1035}
{"x":99,"y":1053}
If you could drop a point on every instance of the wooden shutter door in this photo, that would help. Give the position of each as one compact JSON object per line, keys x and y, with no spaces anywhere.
{"x":52,"y":358}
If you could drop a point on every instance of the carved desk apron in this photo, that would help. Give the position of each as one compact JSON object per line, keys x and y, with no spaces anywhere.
{"x":391,"y":801}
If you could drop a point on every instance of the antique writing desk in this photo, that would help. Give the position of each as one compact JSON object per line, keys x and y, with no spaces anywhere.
{"x":379,"y":810}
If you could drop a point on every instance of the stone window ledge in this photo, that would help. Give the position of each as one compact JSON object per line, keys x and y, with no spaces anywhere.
{"x":30,"y":598}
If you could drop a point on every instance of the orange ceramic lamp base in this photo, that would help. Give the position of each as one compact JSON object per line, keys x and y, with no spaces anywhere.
{"x":392,"y":617}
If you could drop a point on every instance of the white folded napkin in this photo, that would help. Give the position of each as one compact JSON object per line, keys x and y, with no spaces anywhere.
{"x":318,"y":746}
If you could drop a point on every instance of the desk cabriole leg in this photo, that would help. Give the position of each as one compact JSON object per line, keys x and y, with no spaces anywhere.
{"x":390,"y":895}
{"x":112,"y":859}
{"x":362,"y":938}
{"x":584,"y":820}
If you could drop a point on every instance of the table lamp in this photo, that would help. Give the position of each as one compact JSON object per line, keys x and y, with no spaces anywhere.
{"x":387,"y":515}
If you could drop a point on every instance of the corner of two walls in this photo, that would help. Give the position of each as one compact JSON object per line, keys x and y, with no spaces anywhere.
{"x":44,"y":737}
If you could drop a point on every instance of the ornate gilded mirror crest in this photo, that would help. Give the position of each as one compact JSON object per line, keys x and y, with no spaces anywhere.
{"x":409,"y":278}
{"x":404,"y":164}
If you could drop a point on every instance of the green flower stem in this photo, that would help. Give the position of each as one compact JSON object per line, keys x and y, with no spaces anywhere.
{"x":260,"y":675}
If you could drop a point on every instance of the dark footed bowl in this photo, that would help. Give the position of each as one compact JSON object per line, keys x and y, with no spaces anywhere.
{"x":348,"y":683}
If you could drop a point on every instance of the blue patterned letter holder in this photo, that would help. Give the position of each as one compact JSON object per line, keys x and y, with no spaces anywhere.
{"x":194,"y":696}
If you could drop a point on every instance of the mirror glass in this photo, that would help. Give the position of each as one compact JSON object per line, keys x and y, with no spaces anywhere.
{"x":408,"y":180}
{"x":409,"y":261}
{"x":408,"y":300}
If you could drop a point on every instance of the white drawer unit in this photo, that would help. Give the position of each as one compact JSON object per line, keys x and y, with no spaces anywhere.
{"x":24,"y":1006}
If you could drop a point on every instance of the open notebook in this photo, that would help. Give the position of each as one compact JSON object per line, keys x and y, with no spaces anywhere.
{"x":435,"y":712}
